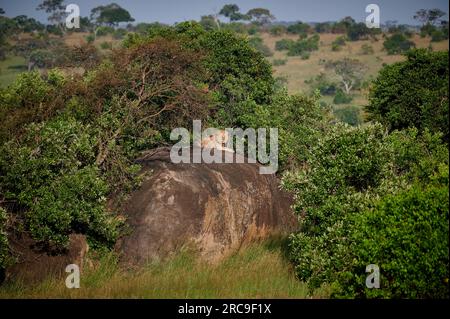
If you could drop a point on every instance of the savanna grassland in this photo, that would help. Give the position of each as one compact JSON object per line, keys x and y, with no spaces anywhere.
{"x":257,"y":270}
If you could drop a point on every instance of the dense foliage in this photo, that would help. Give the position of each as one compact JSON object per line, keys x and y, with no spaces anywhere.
{"x":413,"y":93}
{"x":348,"y":173}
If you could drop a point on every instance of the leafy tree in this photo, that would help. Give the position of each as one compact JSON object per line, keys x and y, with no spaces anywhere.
{"x":413,"y":93}
{"x":350,"y":72}
{"x":260,"y":16}
{"x":55,"y":9}
{"x":431,"y":16}
{"x":358,"y":31}
{"x":323,"y":27}
{"x":25,"y":24}
{"x":299,"y":28}
{"x":397,"y":43}
{"x":111,"y":14}
{"x":231,"y":11}
{"x":2,"y":11}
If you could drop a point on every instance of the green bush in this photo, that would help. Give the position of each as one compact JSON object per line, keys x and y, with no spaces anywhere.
{"x":106,"y":45}
{"x":119,"y":33}
{"x":338,"y":43}
{"x":351,"y":173}
{"x":258,"y":44}
{"x":349,"y":114}
{"x":283,"y":44}
{"x":104,"y":30}
{"x":90,"y":38}
{"x":397,"y":43}
{"x":437,"y":36}
{"x":407,"y":236}
{"x":299,"y":28}
{"x":323,"y":84}
{"x":48,"y":175}
{"x":305,"y":55}
{"x":299,"y":120}
{"x":277,"y":30}
{"x":367,"y":49}
{"x":278,"y":62}
{"x":341,"y":97}
{"x":302,"y":45}
{"x":413,"y":93}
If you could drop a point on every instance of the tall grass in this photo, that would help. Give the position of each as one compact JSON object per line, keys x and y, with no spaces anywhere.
{"x":259,"y":270}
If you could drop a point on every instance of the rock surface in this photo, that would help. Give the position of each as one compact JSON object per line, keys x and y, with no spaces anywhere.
{"x":215,"y":206}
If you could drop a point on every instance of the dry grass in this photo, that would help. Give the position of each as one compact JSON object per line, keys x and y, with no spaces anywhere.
{"x":260,"y":270}
{"x":297,"y":70}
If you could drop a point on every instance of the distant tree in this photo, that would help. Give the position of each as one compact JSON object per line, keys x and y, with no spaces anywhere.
{"x":111,"y":14}
{"x":429,"y":16}
{"x":260,"y":15}
{"x":25,"y":24}
{"x":299,"y":28}
{"x":349,"y":71}
{"x":2,"y":11}
{"x":231,"y":11}
{"x":322,"y":27}
{"x":55,"y":9}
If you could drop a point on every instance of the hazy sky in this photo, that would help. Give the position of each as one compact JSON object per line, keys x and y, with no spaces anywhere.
{"x":170,"y":11}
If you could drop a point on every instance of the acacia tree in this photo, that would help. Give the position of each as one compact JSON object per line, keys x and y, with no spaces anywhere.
{"x":260,"y":15}
{"x":231,"y":11}
{"x":111,"y":14}
{"x":349,"y":71}
{"x":430,"y":17}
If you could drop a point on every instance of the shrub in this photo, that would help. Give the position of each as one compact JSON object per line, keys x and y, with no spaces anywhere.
{"x":106,"y":45}
{"x":46,"y":175}
{"x":119,"y":33}
{"x":406,"y":235}
{"x":350,"y":173}
{"x":323,"y":84}
{"x":277,"y":30}
{"x":258,"y":44}
{"x":90,"y":38}
{"x":350,"y":115}
{"x":437,"y":36}
{"x":284,"y":44}
{"x":397,"y":43}
{"x":299,"y":28}
{"x":367,"y":49}
{"x":103,"y":30}
{"x":305,"y":55}
{"x":277,"y":62}
{"x":299,"y":120}
{"x":302,"y":45}
{"x":338,"y":43}
{"x":341,"y":97}
{"x":413,"y":93}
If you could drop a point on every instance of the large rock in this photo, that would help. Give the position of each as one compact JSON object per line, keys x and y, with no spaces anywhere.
{"x":215,"y":206}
